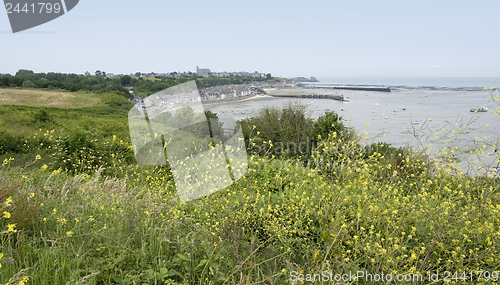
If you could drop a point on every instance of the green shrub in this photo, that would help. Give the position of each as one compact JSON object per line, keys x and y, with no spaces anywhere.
{"x":328,"y":123}
{"x":28,"y":84}
{"x":289,"y":132}
{"x":9,"y":143}
{"x":41,"y":116}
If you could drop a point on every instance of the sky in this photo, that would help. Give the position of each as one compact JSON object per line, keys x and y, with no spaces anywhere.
{"x":285,"y":38}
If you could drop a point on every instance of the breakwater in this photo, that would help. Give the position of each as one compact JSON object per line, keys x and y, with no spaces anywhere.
{"x":311,"y":96}
{"x":379,"y":89}
{"x":355,"y":88}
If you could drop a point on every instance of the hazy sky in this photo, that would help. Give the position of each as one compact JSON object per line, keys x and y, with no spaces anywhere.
{"x":286,"y":38}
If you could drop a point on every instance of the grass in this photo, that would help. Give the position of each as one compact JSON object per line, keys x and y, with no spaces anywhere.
{"x":47,"y":98}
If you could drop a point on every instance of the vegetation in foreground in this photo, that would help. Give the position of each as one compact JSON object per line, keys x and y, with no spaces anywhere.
{"x":340,"y":207}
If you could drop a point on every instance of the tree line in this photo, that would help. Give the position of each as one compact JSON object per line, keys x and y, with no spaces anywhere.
{"x":101,"y":83}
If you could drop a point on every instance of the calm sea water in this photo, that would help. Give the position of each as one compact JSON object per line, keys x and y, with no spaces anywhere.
{"x":438,"y":82}
{"x":414,"y":108}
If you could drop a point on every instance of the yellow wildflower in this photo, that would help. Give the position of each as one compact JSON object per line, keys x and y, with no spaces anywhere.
{"x":25,"y":279}
{"x":11,"y":228}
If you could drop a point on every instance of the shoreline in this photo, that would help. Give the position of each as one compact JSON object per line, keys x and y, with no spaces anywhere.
{"x":236,"y":99}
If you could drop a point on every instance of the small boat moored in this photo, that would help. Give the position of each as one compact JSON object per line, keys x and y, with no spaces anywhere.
{"x":482,"y":109}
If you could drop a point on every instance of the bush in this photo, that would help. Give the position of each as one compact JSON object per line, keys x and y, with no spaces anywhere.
{"x":328,"y":123}
{"x":289,"y":132}
{"x":10,"y":143}
{"x":79,"y":151}
{"x":41,"y":116}
{"x":285,"y":132}
{"x":28,"y":84}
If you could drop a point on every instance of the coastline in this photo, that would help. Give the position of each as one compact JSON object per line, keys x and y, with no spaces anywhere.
{"x":236,"y":99}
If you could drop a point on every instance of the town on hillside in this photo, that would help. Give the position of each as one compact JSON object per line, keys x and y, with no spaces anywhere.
{"x":222,"y":92}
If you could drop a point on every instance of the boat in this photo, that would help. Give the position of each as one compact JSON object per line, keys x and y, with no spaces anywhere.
{"x":482,"y":109}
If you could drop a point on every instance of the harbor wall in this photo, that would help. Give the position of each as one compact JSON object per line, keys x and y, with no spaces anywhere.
{"x":312,"y":96}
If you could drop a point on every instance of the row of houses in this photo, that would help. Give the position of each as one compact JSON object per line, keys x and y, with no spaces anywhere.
{"x":237,"y":90}
{"x":215,"y":93}
{"x":205,"y":72}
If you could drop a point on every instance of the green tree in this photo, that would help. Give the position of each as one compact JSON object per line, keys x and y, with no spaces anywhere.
{"x":125,"y":80}
{"x":23,"y":73}
{"x":28,"y":84}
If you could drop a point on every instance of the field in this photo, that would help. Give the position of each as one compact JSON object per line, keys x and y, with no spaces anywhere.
{"x":76,"y":208}
{"x":46,"y":98}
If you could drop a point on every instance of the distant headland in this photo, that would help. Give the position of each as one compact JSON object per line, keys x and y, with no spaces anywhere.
{"x":303,"y":79}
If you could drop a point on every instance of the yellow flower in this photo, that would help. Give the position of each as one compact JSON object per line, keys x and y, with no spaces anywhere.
{"x":25,"y":279}
{"x":69,"y":233}
{"x":367,"y":125}
{"x":11,"y":228}
{"x":44,"y":167}
{"x":37,"y":157}
{"x":8,"y":202}
{"x":6,"y":215}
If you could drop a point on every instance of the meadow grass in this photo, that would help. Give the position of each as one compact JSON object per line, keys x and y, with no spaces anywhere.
{"x":47,"y":98}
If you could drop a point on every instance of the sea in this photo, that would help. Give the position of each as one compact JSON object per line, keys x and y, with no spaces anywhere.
{"x":423,"y":113}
